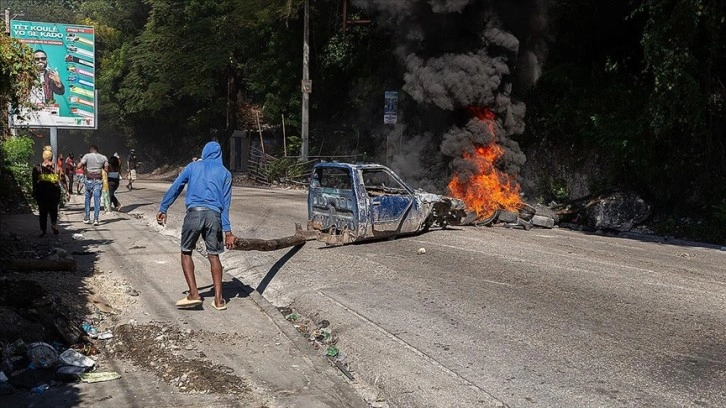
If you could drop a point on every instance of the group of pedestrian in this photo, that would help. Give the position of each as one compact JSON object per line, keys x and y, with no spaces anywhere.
{"x":207,"y":200}
{"x":94,"y":174}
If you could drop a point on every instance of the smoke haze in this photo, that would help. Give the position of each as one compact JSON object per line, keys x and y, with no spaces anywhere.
{"x":458,"y":55}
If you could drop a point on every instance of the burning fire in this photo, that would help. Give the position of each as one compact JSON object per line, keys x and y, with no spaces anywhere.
{"x":487,"y":189}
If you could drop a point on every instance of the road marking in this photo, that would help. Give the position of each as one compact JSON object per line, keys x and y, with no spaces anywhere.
{"x":497,"y":283}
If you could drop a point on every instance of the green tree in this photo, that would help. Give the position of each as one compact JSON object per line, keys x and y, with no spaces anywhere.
{"x":17,"y":75}
{"x":684,"y":44}
{"x":184,"y":74}
{"x":51,"y":11}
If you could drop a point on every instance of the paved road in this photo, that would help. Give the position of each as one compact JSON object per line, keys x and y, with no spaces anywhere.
{"x":496,"y":316}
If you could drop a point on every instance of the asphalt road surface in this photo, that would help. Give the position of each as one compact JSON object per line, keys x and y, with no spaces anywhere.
{"x":495,"y":316}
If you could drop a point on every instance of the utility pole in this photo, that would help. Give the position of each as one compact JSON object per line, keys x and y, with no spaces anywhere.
{"x":306,"y":86}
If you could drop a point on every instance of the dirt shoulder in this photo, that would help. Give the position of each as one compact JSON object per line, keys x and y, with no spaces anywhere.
{"x":51,"y":306}
{"x":125,"y":283}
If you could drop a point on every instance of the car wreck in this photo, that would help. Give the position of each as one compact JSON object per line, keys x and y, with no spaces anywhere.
{"x":355,"y":202}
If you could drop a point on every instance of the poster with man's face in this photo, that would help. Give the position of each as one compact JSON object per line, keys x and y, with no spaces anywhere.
{"x":64,"y":55}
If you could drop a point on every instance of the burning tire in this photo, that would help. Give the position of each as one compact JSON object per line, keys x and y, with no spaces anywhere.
{"x":527,"y":212}
{"x":488,"y":221}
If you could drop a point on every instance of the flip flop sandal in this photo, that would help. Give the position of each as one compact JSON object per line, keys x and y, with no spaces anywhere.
{"x":223,"y":307}
{"x":184,"y":303}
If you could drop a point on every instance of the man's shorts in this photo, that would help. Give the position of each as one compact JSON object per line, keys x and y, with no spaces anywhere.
{"x":207,"y":223}
{"x":132,"y":175}
{"x":80,"y":178}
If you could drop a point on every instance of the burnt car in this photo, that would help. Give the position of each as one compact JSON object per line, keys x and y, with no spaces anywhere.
{"x":355,"y":202}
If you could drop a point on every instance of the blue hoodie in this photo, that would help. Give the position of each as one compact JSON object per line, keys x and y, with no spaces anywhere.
{"x":210,"y":185}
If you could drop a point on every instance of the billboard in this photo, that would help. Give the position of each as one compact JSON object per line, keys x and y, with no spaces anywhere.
{"x":390,"y":107}
{"x":64,"y":55}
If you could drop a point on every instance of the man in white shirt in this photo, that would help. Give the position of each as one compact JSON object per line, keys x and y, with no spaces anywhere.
{"x":94,"y":163}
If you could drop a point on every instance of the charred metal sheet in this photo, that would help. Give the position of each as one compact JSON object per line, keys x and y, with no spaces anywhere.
{"x":353,"y":202}
{"x":388,"y":213}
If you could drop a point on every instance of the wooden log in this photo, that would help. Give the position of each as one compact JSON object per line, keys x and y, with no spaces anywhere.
{"x":254,"y":244}
{"x":26,"y":265}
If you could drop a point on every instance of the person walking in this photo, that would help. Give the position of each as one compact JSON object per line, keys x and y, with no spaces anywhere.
{"x":105,"y":197}
{"x":63,"y":183}
{"x":68,"y":168}
{"x":207,"y":202}
{"x":80,"y":177}
{"x":47,"y":191}
{"x":114,"y":179}
{"x":93,"y":162}
{"x":131,"y":163}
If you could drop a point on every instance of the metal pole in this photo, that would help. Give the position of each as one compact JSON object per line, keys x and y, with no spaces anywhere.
{"x":305,"y":92}
{"x":54,"y":143}
{"x":7,"y":21}
{"x":259,"y":128}
{"x":284,"y":137}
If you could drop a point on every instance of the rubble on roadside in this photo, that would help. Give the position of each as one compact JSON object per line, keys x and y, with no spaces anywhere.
{"x":172,"y":354}
{"x":613,"y":211}
{"x":43,"y":343}
{"x":320,"y":335}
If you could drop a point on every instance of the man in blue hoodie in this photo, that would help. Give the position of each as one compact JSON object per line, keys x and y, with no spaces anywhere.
{"x":207,"y":201}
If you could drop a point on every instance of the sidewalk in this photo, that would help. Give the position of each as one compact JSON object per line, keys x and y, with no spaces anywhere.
{"x":247,"y":355}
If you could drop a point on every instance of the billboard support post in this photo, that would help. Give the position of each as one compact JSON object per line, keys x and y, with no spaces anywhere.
{"x":54,"y":143}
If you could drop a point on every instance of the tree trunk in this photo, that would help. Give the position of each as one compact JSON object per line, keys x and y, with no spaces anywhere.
{"x":232,"y":106}
{"x":254,"y":244}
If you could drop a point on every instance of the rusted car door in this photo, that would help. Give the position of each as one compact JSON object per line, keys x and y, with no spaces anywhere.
{"x":332,"y":200}
{"x":390,"y":200}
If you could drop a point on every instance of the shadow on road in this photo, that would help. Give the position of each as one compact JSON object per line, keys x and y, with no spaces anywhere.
{"x":132,"y":207}
{"x":276,"y":268}
{"x":43,"y":305}
{"x":231,"y":289}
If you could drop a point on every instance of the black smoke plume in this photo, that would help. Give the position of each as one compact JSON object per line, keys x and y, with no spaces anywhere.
{"x":457,"y":55}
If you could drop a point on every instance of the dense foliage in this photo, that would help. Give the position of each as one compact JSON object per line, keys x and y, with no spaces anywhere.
{"x":637,"y":85}
{"x":17,"y":75}
{"x":642,"y":88}
{"x":15,"y":154}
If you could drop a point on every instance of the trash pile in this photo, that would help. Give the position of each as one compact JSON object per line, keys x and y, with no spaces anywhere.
{"x":38,"y":366}
{"x":49,"y":336}
{"x":321,"y":337}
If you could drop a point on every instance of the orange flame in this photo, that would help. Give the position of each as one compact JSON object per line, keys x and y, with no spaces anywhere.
{"x":489,"y":189}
